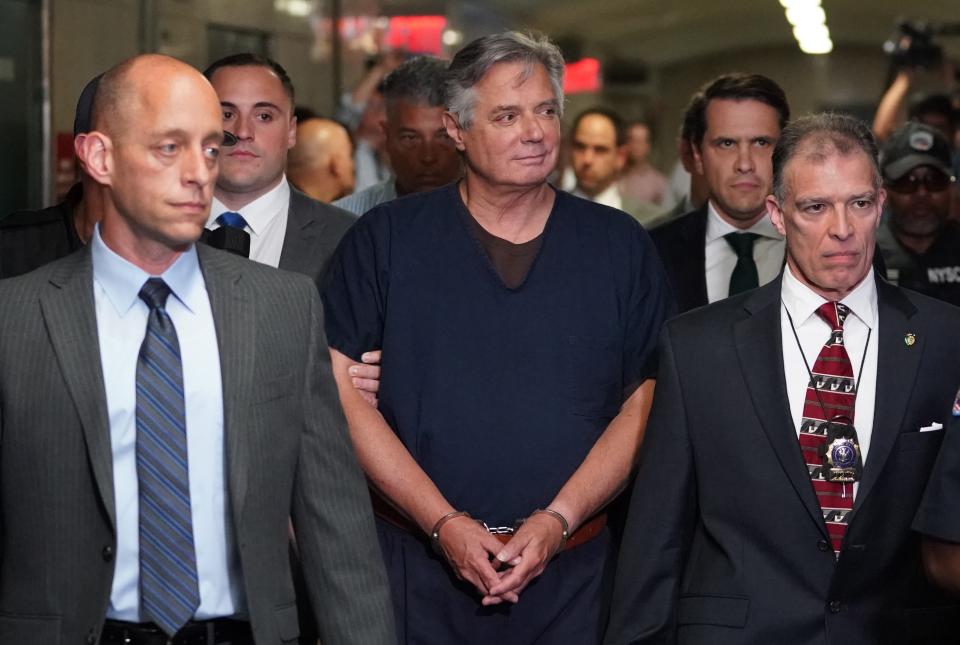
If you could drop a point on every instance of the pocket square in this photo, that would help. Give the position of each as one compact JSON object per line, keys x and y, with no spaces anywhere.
{"x":932,"y":427}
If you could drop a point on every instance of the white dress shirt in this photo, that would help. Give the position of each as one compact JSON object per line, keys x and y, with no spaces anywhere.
{"x":720,"y":258}
{"x":801,"y":303}
{"x":266,"y":222}
{"x":121,"y":326}
{"x":610,"y":197}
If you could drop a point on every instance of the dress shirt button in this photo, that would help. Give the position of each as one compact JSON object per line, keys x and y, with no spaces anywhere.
{"x":92,"y":637}
{"x":835,"y":606}
{"x":107,"y":553}
{"x":823,"y":545}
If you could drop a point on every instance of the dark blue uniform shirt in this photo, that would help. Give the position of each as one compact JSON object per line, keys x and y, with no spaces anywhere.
{"x":498,"y":393}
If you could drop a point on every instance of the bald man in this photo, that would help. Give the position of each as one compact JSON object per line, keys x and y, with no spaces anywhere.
{"x":321,"y":164}
{"x":165,"y":413}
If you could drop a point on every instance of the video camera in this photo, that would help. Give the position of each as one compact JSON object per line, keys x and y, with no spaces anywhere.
{"x":912,"y":43}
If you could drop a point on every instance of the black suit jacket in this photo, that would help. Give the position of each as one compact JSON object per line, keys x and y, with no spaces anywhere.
{"x":725,"y":541}
{"x":681,"y":244}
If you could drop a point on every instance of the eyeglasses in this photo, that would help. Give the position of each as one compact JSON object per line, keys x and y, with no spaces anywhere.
{"x":934,"y":182}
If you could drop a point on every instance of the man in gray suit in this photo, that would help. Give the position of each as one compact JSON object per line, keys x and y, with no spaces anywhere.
{"x":284,"y":227}
{"x":165,"y":408}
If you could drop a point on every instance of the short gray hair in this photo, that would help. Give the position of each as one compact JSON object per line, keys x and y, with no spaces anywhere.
{"x":473,"y":62}
{"x":823,"y":134}
{"x":419,"y":80}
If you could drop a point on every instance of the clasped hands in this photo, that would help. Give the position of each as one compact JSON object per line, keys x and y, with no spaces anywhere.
{"x":498,"y":571}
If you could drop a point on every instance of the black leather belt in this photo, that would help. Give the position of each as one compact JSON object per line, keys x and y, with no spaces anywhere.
{"x":220,"y":631}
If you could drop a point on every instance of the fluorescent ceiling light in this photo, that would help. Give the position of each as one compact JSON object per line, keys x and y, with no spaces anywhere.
{"x":811,"y":32}
{"x":816,"y":47}
{"x":790,"y":4}
{"x":797,"y":16}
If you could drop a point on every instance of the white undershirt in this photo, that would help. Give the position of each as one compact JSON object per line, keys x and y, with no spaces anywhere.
{"x":266,"y":222}
{"x":720,"y":258}
{"x":802,"y":303}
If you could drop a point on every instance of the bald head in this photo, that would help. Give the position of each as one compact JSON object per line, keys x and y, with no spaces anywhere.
{"x":321,"y":163}
{"x":136,"y":83}
{"x":153,"y":148}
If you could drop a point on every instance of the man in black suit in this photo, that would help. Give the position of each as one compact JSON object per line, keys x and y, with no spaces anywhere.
{"x":31,"y":238}
{"x":728,"y":245}
{"x":282,"y":227}
{"x":785,"y":455}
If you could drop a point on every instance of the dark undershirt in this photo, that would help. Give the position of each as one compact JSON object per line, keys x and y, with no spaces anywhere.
{"x":511,"y":261}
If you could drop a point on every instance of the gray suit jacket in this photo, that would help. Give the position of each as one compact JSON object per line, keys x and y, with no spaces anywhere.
{"x":313,"y":232}
{"x":286,"y":448}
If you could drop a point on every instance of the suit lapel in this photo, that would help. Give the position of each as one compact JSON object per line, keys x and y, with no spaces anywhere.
{"x":234,"y":319}
{"x":897,"y":366}
{"x":69,"y":313}
{"x":302,"y":230}
{"x":760,"y":352}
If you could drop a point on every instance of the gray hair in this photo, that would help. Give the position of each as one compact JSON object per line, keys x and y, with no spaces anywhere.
{"x":418,"y":80}
{"x":821,"y":136}
{"x":473,"y":62}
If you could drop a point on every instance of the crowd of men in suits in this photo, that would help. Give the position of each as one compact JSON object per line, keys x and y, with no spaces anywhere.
{"x":232,"y":413}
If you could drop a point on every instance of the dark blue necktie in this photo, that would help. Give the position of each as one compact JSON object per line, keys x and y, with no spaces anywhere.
{"x":233,"y":220}
{"x":169,"y":590}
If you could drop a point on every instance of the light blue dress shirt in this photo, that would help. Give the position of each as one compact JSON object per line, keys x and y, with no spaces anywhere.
{"x":121,"y":326}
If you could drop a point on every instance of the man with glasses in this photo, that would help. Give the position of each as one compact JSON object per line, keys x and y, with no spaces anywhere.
{"x":920,"y":246}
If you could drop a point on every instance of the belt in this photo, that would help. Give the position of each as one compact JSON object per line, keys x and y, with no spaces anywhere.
{"x":219,"y":631}
{"x":587,"y":531}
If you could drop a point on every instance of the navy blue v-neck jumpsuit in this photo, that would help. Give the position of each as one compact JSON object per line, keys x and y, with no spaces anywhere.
{"x":497,"y":393}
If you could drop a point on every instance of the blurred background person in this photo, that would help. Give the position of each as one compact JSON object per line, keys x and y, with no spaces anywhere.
{"x":597,"y":156}
{"x":422,"y":155}
{"x":640,"y":180}
{"x":687,"y":186}
{"x":362,"y":110}
{"x":920,"y":246}
{"x":321,"y":163}
{"x":29,"y":239}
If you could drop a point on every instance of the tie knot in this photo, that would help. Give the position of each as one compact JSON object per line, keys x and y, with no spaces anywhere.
{"x":232,"y":219}
{"x":154,"y":292}
{"x":742,"y":243}
{"x":834,"y":313}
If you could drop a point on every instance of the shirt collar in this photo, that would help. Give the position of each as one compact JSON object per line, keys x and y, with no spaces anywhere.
{"x":122,"y":280}
{"x":258,"y":213}
{"x":802,"y":302}
{"x":609,"y":197}
{"x":717,"y":227}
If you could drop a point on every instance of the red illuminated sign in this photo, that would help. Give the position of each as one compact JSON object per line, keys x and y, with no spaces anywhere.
{"x":582,"y":76}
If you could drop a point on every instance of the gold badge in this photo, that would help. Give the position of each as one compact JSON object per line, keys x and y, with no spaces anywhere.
{"x":909,"y":339}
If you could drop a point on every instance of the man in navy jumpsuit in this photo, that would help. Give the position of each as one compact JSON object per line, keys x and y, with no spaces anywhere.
{"x":519,"y":327}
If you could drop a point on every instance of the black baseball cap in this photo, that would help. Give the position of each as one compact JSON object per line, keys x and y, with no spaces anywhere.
{"x":912,"y":145}
{"x":83,"y":118}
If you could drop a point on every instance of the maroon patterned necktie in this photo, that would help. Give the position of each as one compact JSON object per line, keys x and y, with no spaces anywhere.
{"x":833,"y":381}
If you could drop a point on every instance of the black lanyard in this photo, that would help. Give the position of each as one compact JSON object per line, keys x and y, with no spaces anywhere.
{"x":816,"y":390}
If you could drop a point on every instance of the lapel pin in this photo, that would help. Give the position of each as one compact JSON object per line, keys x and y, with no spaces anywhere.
{"x":909,"y":339}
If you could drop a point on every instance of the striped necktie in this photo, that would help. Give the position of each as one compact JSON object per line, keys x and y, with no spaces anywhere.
{"x":831,"y":392}
{"x":169,"y":589}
